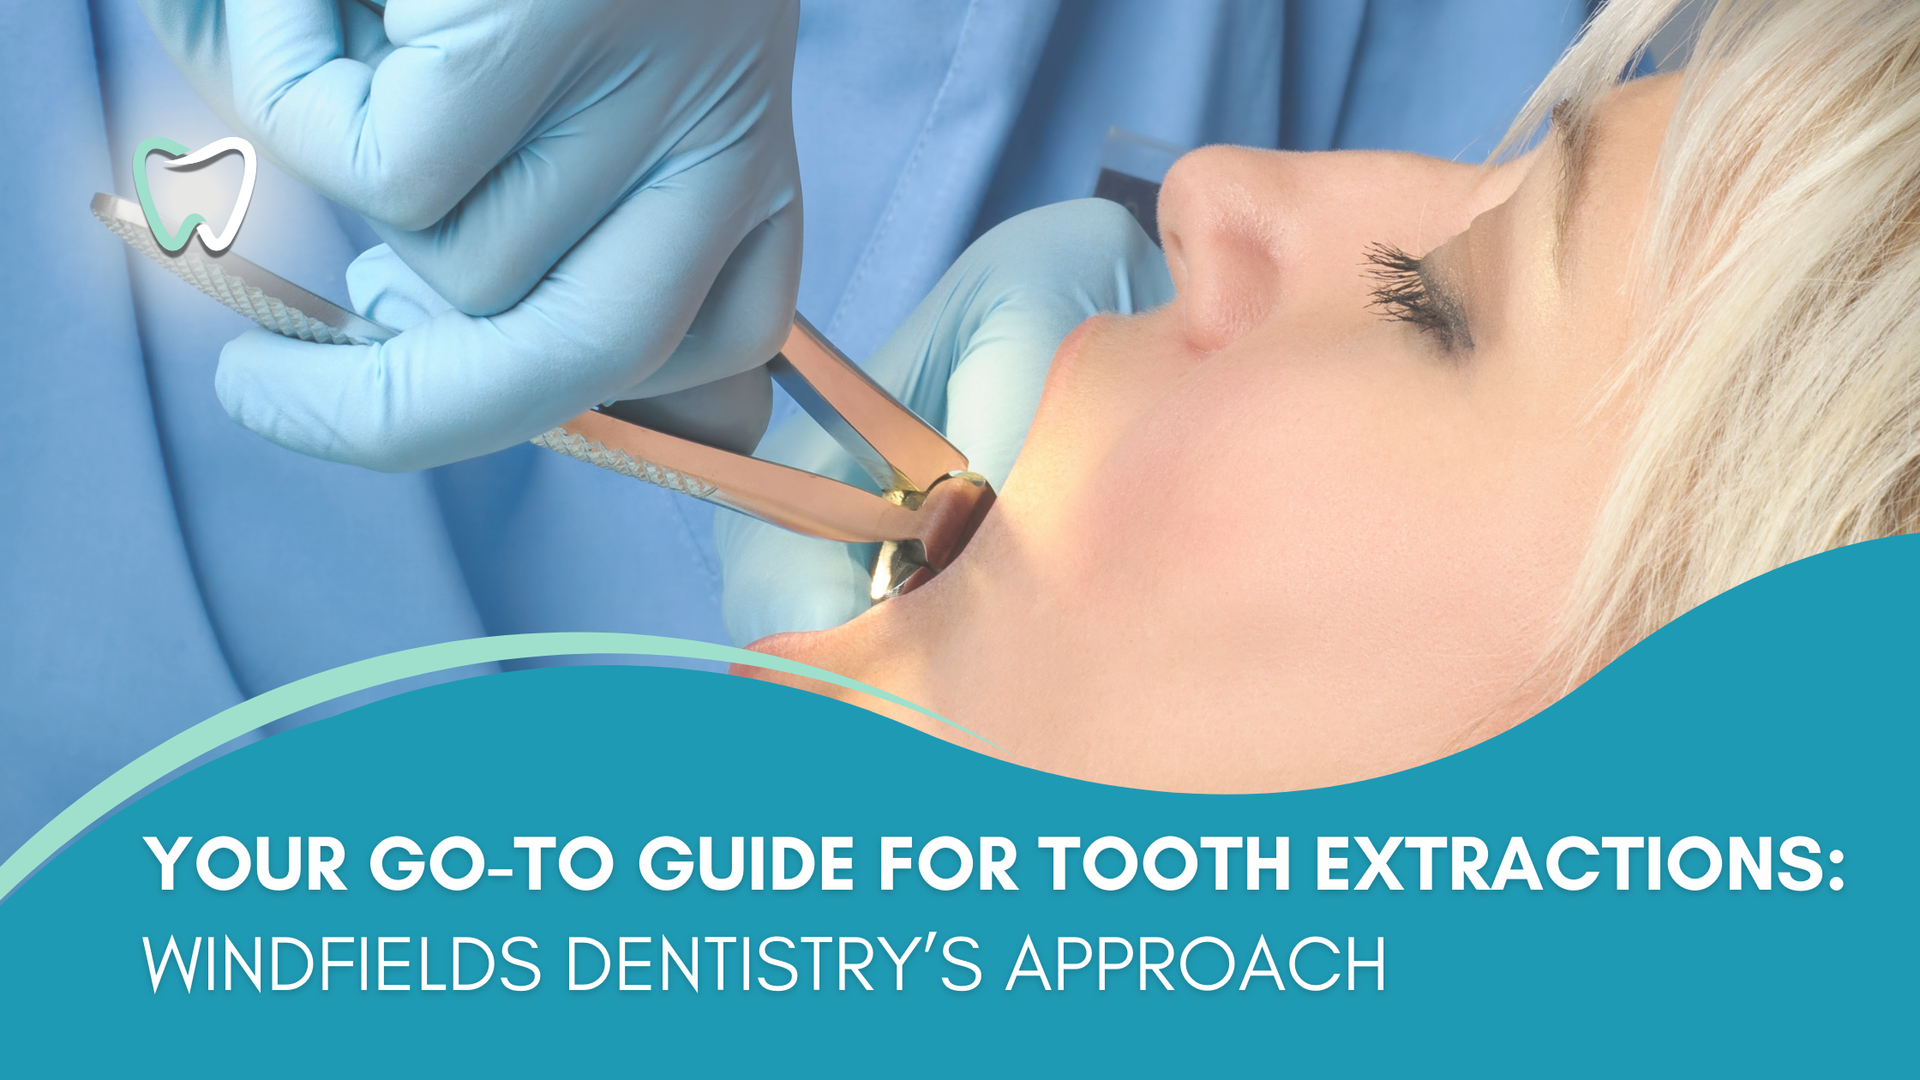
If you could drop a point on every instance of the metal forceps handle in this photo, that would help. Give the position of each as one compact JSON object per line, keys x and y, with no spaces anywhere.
{"x":930,"y":505}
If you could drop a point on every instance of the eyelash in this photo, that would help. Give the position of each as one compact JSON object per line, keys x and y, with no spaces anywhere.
{"x":1405,"y":294}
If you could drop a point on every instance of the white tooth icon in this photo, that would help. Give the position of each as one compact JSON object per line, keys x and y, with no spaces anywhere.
{"x":218,"y":242}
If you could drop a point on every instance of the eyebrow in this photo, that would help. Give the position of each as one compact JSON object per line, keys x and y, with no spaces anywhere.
{"x":1571,"y":130}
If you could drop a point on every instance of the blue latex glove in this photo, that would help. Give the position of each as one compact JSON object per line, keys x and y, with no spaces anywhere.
{"x":971,"y":360}
{"x":604,"y":193}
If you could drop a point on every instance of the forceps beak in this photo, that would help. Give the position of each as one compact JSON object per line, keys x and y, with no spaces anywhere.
{"x":930,"y":502}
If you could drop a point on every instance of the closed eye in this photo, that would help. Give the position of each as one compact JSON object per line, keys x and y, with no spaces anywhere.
{"x":1408,"y":291}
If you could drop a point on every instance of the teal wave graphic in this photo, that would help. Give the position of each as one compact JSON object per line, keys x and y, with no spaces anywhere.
{"x":277,"y":704}
{"x":1778,"y":715}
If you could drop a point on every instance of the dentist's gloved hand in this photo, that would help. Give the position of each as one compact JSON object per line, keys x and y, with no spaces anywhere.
{"x":971,"y":360}
{"x":603,"y":194}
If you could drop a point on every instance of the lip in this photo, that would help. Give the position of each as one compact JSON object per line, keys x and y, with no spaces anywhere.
{"x":1067,"y":359}
{"x":1077,"y":362}
{"x":1109,"y":369}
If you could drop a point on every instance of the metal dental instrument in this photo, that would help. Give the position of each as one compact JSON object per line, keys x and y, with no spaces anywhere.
{"x":930,"y":502}
{"x":929,"y":505}
{"x":266,"y":298}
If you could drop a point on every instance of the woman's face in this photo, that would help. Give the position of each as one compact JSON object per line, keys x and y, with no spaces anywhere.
{"x":1266,"y":537}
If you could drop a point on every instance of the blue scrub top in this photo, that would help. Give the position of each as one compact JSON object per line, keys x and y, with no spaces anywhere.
{"x":159,"y":563}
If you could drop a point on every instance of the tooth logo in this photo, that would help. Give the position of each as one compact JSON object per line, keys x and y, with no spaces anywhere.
{"x":179,"y":157}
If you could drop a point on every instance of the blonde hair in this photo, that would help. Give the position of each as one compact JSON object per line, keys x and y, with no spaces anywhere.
{"x":1776,"y":346}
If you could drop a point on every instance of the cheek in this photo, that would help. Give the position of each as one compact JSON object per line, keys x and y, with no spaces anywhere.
{"x":1325,"y":518}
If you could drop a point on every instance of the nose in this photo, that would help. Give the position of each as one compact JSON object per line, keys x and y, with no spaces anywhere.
{"x":1225,"y":240}
{"x":1248,"y":232}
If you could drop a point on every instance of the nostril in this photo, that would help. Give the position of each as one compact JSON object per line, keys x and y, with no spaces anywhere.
{"x":1176,"y":254}
{"x":1231,"y":281}
{"x":1222,"y":245}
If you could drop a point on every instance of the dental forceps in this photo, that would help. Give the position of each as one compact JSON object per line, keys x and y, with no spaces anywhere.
{"x":928,"y":507}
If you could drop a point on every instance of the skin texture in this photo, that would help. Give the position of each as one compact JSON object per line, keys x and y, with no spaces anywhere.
{"x":1264,"y":538}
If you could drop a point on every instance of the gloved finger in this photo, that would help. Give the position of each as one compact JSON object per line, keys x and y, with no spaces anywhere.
{"x":973,"y":356}
{"x":995,"y":384}
{"x":385,"y":289}
{"x":415,"y":145}
{"x":402,"y":148}
{"x":775,"y":581}
{"x":517,"y":221}
{"x":468,"y":84}
{"x":456,"y":386}
{"x":365,"y":31}
{"x":731,"y":328}
{"x":194,"y":35}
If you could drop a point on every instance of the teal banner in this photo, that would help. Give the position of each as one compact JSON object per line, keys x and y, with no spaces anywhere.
{"x":1694,"y":863}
